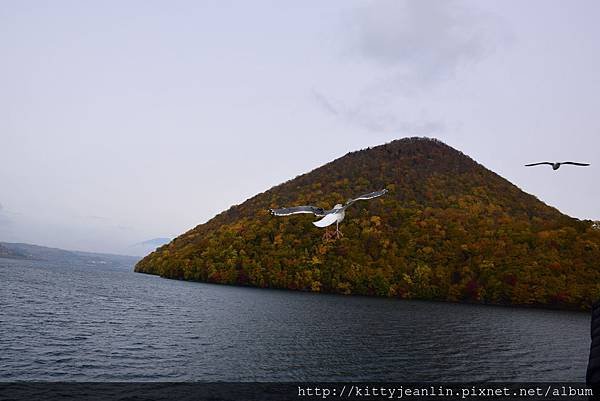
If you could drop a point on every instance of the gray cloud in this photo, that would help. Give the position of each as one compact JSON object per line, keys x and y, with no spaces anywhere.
{"x":4,"y":219}
{"x":419,"y":43}
{"x":97,"y":218}
{"x":374,"y":120}
{"x":124,"y":227}
{"x":412,"y":47}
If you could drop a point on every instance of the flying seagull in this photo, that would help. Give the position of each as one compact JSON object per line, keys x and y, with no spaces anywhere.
{"x":556,"y":165}
{"x":335,"y":215}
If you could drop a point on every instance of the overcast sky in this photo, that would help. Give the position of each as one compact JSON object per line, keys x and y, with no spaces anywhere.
{"x":122,"y":121}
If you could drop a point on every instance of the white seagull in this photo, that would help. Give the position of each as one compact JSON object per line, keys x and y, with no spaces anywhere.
{"x":556,"y":165}
{"x":335,"y":215}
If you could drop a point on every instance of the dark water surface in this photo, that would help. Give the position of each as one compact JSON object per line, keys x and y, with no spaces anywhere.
{"x":72,"y":323}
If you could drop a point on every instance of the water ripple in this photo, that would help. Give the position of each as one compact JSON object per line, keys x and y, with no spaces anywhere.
{"x":77,"y":324}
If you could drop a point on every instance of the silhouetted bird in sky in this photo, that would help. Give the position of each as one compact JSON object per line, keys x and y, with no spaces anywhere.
{"x":556,"y":165}
{"x":335,"y":215}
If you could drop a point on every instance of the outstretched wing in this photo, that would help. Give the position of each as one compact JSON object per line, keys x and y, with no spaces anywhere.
{"x":576,"y":164}
{"x":370,"y":195}
{"x":537,"y":164}
{"x":287,"y":211}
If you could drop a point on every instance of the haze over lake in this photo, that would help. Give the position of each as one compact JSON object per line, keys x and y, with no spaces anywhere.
{"x":76,"y":323}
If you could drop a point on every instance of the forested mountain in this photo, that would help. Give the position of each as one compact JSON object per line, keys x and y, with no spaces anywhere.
{"x":448,"y":229}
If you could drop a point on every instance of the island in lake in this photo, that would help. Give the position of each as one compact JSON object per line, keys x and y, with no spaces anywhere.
{"x":448,"y":229}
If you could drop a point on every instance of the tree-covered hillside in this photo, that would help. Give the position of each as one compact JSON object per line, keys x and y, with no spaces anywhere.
{"x":448,"y":229}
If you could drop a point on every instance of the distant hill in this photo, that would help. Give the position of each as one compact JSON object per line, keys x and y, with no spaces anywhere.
{"x":9,"y":252}
{"x":145,"y":247}
{"x":36,"y":252}
{"x":449,"y":229}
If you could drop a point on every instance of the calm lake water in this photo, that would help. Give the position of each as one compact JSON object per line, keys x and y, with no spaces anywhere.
{"x":69,"y":323}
